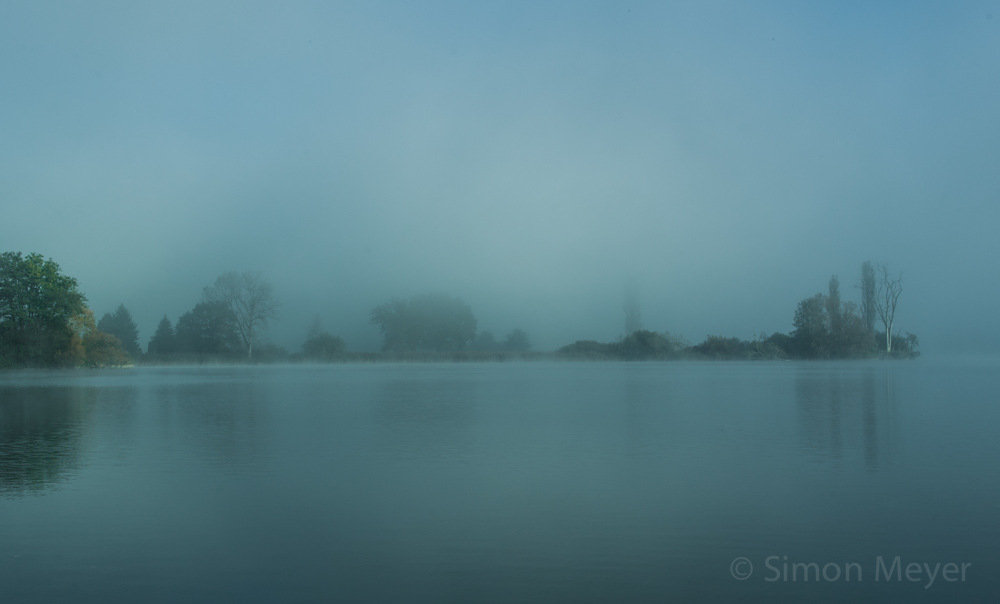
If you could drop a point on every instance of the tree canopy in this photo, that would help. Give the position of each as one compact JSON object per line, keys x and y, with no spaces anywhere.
{"x":323,"y":346}
{"x":163,"y":340}
{"x":92,"y":347}
{"x":428,"y":322}
{"x":517,"y":341}
{"x":640,"y":345}
{"x":207,"y":329}
{"x":826,"y":327}
{"x":121,"y":325}
{"x":37,"y":305}
{"x":250,"y":300}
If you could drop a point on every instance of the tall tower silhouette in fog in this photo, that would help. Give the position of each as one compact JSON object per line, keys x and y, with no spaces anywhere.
{"x":633,"y":313}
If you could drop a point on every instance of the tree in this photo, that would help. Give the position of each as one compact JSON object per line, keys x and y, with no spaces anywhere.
{"x":163,"y":341}
{"x":321,"y":345}
{"x":429,"y":322}
{"x":644,"y":344}
{"x":517,"y":341}
{"x":833,"y":310}
{"x":764,"y":347}
{"x":105,"y":350}
{"x":812,"y":334}
{"x":905,"y":346}
{"x":209,"y":328}
{"x":719,"y":347}
{"x":887,"y":297}
{"x":37,"y":303}
{"x":853,"y":340}
{"x":868,"y":296}
{"x":121,"y":325}
{"x":251,"y":301}
{"x":846,"y":332}
{"x":826,"y":327}
{"x":91,"y":347}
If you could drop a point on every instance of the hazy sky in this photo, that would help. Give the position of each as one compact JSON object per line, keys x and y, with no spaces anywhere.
{"x":531,"y":158}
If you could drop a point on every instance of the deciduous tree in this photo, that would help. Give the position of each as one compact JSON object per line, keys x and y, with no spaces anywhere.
{"x":37,"y":303}
{"x":812,"y":333}
{"x":251,"y":301}
{"x":91,"y":347}
{"x":887,"y":297}
{"x":517,"y":341}
{"x":429,"y":322}
{"x":321,"y":345}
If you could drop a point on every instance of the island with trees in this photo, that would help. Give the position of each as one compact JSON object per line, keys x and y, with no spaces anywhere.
{"x":45,"y":322}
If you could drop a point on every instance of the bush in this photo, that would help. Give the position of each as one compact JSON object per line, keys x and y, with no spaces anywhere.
{"x":105,"y":350}
{"x":644,"y":344}
{"x":718,"y":347}
{"x":323,"y":347}
{"x":589,"y":349}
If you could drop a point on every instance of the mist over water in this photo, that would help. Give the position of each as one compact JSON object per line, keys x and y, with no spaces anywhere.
{"x":496,"y":482}
{"x":531,"y":160}
{"x":470,"y":182}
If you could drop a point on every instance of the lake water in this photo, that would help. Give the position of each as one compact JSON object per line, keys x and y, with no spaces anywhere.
{"x":534,"y":482}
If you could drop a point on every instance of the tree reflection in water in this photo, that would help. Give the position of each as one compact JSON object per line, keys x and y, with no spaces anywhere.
{"x":841,"y":409}
{"x":41,"y":436}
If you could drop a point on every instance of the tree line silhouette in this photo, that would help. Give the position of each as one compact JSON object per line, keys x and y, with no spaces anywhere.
{"x":44,"y":322}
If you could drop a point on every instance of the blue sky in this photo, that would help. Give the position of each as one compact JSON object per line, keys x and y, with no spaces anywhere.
{"x":531,"y":158}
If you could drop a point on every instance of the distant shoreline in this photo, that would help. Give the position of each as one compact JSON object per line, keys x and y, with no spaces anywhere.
{"x":377,"y":359}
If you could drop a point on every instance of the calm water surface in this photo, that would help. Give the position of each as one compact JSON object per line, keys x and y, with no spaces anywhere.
{"x":580,"y":482}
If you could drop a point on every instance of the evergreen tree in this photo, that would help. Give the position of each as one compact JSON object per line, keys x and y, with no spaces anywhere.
{"x":163,"y":341}
{"x":121,"y":325}
{"x":868,"y":294}
{"x":208,"y":328}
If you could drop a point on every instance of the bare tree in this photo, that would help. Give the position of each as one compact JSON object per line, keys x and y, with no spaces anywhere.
{"x":886,"y":298}
{"x":251,"y":300}
{"x":868,"y":295}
